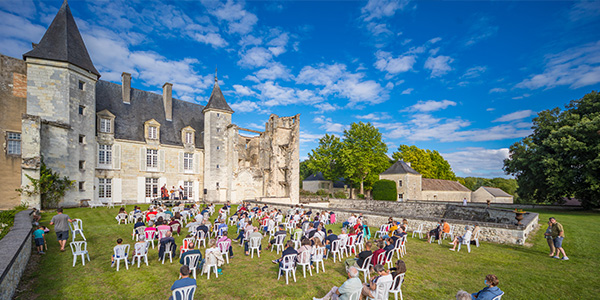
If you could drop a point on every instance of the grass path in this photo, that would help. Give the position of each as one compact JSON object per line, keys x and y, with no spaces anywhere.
{"x":433,"y":271}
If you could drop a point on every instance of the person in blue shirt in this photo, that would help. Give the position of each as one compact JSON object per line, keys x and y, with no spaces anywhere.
{"x":39,"y":238}
{"x":184,"y":281}
{"x":490,"y":291}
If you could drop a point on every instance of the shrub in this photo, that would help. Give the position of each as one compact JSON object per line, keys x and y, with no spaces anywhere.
{"x":323,"y":193}
{"x":360,"y":196}
{"x":384,"y":190}
{"x":306,"y":193}
{"x":7,"y":218}
{"x":339,"y":195}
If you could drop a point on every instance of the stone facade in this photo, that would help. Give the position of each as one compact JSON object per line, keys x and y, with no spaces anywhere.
{"x":13,"y":103}
{"x":483,"y":194}
{"x":408,"y":185}
{"x":450,"y":196}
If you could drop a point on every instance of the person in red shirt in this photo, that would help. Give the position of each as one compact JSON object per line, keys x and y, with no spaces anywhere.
{"x":150,"y":213}
{"x":378,"y":252}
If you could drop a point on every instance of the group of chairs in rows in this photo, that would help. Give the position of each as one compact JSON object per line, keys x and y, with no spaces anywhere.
{"x":420,"y":231}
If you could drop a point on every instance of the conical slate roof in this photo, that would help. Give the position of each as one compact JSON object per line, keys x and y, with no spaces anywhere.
{"x":62,"y":42}
{"x":217,"y":100}
{"x":400,"y":167}
{"x":316,"y":177}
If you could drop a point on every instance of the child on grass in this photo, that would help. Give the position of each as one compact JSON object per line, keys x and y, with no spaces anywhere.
{"x":115,"y":250}
{"x":38,"y":235}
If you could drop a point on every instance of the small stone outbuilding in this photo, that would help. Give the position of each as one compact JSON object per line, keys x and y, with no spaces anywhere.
{"x":495,"y":195}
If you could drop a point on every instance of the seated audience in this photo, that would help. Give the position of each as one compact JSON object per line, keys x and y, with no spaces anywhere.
{"x":490,"y":291}
{"x":112,"y":259}
{"x":139,"y":223}
{"x":350,"y":286}
{"x":184,"y":281}
{"x":383,"y":276}
{"x":399,"y":268}
{"x":279,"y":232}
{"x":253,"y":234}
{"x":461,"y":239}
{"x":359,"y":260}
{"x":191,"y":250}
{"x":288,"y":250}
{"x":380,"y":251}
{"x":224,"y":238}
{"x":462,"y":295}
{"x":163,"y":244}
{"x":436,"y":232}
{"x":212,"y":256}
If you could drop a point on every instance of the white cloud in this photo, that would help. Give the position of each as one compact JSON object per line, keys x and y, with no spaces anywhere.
{"x":478,"y":162}
{"x":439,"y":65}
{"x":497,"y":90}
{"x":17,"y":34}
{"x":374,"y":116}
{"x":431,"y":105}
{"x":490,"y":109}
{"x":243,"y":90}
{"x":210,"y":38}
{"x":480,"y":30}
{"x":25,"y":8}
{"x":325,"y":107}
{"x":521,"y":97}
{"x":273,"y":71}
{"x":474,"y":72}
{"x":517,"y":115}
{"x":407,"y":91}
{"x":255,"y":57}
{"x":386,"y":62}
{"x":246,"y":106}
{"x":239,"y":20}
{"x":378,"y":9}
{"x":306,"y":137}
{"x":576,"y":67}
{"x":328,"y":125}
{"x":273,"y":94}
{"x":584,"y":10}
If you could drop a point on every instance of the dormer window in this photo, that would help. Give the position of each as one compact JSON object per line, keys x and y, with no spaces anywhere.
{"x":153,"y":132}
{"x":105,"y":125}
{"x":188,"y":135}
{"x":189,"y":138}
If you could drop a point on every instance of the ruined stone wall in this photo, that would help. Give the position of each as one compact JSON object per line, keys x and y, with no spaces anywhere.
{"x":15,"y":250}
{"x":13,"y":103}
{"x":217,"y":155}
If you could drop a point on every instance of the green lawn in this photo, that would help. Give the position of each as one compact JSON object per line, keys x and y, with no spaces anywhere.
{"x":433,"y":271}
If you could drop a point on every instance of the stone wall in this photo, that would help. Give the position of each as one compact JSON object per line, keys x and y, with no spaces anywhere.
{"x":15,"y":250}
{"x":496,"y":225}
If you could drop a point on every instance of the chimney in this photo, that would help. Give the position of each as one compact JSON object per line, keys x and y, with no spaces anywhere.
{"x":408,"y":163}
{"x":126,"y":87}
{"x":168,"y":100}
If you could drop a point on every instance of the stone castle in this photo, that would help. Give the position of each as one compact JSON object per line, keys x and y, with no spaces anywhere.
{"x":122,"y":144}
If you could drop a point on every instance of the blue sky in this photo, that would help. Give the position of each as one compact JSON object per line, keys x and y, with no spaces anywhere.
{"x":461,"y":77}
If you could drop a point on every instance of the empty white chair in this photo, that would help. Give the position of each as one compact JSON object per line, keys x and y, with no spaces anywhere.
{"x":304,"y":261}
{"x":382,"y":292}
{"x":476,"y":238}
{"x":224,"y":247}
{"x":130,"y":217}
{"x":121,"y":252}
{"x":360,"y":243}
{"x":79,"y":248}
{"x":318,"y":254}
{"x":150,"y":235}
{"x":140,"y":251}
{"x":291,"y":225}
{"x":288,"y":265}
{"x":122,"y":217}
{"x":254,"y":244}
{"x":169,"y":251}
{"x":365,"y":267}
{"x":397,"y":286}
{"x":403,"y":246}
{"x":184,"y":293}
{"x":200,"y":238}
{"x":233,"y":220}
{"x":398,"y":247}
{"x":77,"y":227}
{"x":278,"y":243}
{"x":335,"y":250}
{"x":383,"y":230}
{"x":351,"y":244}
{"x":419,"y":231}
{"x":343,"y":245}
{"x":191,"y":260}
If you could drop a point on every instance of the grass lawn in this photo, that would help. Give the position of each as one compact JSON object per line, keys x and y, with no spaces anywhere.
{"x":433,"y":271}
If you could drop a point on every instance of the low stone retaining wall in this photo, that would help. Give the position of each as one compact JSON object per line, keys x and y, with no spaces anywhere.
{"x":376,"y":214}
{"x":15,"y":250}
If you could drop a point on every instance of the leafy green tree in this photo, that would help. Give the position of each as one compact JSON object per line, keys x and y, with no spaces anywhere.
{"x":429,"y":163}
{"x":51,"y":187}
{"x":326,"y":158}
{"x":561,"y":158}
{"x":363,"y":154}
{"x":384,"y":190}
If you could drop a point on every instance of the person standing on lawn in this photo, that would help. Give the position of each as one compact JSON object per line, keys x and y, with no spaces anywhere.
{"x":558,"y":234}
{"x":548,"y":235}
{"x":39,"y":238}
{"x":61,"y":227}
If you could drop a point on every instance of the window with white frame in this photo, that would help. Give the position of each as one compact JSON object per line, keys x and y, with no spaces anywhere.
{"x":152,"y":132}
{"x":188,"y":161}
{"x":151,"y":158}
{"x":188,"y":189}
{"x":104,"y":188}
{"x":151,"y":187}
{"x":104,"y":155}
{"x":189,"y":137}
{"x":105,"y":125}
{"x":13,"y":146}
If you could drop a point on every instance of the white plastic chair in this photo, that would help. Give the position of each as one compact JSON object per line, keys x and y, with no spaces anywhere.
{"x":360,"y":243}
{"x":224,"y":247}
{"x":476,"y":238}
{"x":209,"y":267}
{"x":77,"y":227}
{"x":296,"y":239}
{"x":162,"y":233}
{"x":383,"y":230}
{"x":499,"y":297}
{"x":449,"y":234}
{"x":233,"y":220}
{"x":382,"y":292}
{"x":335,"y":250}
{"x":200,"y":238}
{"x":466,"y":242}
{"x":419,"y":231}
{"x":121,"y":252}
{"x":317,"y":258}
{"x":365,"y":268}
{"x":122,"y":217}
{"x":79,"y":248}
{"x":351,"y":244}
{"x":254,"y":244}
{"x":140,"y":251}
{"x":355,"y":295}
{"x":397,"y":286}
{"x":403,"y":246}
{"x":137,"y":232}
{"x":304,"y":261}
{"x":288,"y":265}
{"x":185,"y":245}
{"x":175,"y":227}
{"x":192,"y":260}
{"x":291,"y":225}
{"x":343,"y":245}
{"x":184,"y":293}
{"x":169,"y":251}
{"x":150,"y":235}
{"x":130,"y":217}
{"x":278,"y":243}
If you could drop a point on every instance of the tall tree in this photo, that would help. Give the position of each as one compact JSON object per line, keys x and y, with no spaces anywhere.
{"x":561,"y":158}
{"x":326,"y":158}
{"x":364,"y":154}
{"x":429,"y":163}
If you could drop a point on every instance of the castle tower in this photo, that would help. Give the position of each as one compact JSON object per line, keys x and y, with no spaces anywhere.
{"x":217,"y":170}
{"x":61,"y":108}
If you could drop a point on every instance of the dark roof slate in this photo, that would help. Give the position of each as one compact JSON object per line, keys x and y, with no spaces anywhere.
{"x":400,"y":167}
{"x":316,"y":177}
{"x":62,"y":42}
{"x":496,"y":192}
{"x":130,"y":118}
{"x":428,"y":184}
{"x":217,"y":100}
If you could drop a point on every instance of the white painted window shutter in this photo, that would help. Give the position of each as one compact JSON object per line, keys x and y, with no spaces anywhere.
{"x":196,"y":163}
{"x":141,"y":189}
{"x":96,"y":183}
{"x":116,"y":190}
{"x":143,"y":159}
{"x":116,"y":159}
{"x":161,"y":158}
{"x":196,"y":190}
{"x":181,"y":170}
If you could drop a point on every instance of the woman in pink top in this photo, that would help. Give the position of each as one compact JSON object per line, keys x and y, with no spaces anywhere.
{"x":148,"y":230}
{"x":162,"y":227}
{"x":331,"y":218}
